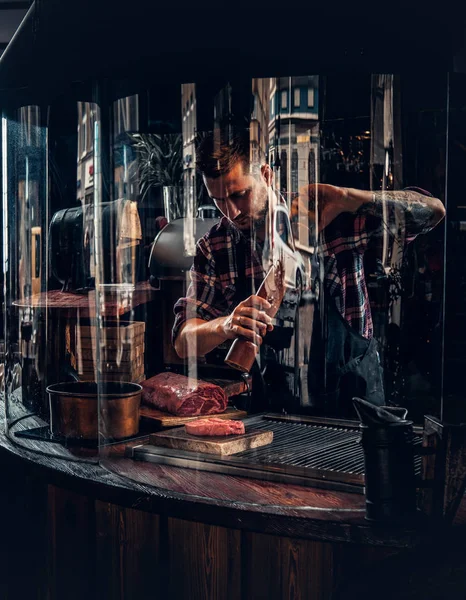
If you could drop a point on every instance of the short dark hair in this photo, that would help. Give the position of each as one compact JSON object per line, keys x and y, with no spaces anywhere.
{"x":217,"y":154}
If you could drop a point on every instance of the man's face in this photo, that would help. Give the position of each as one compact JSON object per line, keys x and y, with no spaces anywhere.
{"x":241,"y":197}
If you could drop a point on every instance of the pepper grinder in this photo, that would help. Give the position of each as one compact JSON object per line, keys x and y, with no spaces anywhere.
{"x":242,"y":353}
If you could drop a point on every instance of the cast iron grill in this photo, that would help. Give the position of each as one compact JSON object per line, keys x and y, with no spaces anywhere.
{"x":309,"y":451}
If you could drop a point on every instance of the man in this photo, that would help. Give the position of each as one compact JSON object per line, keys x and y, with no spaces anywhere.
{"x":220,"y":306}
{"x":212,"y":311}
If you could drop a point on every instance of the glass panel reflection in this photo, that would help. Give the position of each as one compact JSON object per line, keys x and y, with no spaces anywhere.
{"x":48,"y":164}
{"x":325,"y":239}
{"x":275,"y":239}
{"x":24,"y":143}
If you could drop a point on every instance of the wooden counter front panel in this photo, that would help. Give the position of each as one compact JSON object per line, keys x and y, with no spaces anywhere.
{"x":207,"y":562}
{"x":103,"y":551}
{"x":23,"y":549}
{"x":204,"y":561}
{"x":71,"y":545}
{"x":284,"y":568}
{"x":129,"y":563}
{"x":64,"y":545}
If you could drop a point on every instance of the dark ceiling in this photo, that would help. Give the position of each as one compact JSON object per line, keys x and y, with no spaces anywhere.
{"x":65,"y":41}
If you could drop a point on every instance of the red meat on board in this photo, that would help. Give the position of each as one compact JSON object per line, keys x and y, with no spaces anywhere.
{"x":183,"y":396}
{"x":215,"y":427}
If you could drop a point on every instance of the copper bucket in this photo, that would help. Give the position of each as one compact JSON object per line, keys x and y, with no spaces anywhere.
{"x":74,"y":409}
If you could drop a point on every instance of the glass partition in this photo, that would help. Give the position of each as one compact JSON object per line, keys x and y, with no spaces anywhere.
{"x":294,"y":253}
{"x":48,"y":195}
{"x":257,"y":251}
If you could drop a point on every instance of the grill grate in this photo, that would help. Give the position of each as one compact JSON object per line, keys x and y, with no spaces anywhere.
{"x":303,"y":451}
{"x":312,"y":446}
{"x":306,"y":445}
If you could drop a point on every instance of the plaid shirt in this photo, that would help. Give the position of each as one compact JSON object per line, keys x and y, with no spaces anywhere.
{"x":212,"y":290}
{"x":342,"y":244}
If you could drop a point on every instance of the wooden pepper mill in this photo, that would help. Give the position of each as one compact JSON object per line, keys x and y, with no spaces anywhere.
{"x":242,"y":353}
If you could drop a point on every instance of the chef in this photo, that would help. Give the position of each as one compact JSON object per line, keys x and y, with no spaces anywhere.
{"x":220,"y":304}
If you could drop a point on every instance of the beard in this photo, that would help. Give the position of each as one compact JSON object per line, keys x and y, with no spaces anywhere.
{"x":258,"y":212}
{"x":261,"y":208}
{"x":250,"y":222}
{"x":260,"y":219}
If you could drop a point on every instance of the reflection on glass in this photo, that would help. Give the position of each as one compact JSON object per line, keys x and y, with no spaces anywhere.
{"x":265,"y":183}
{"x":50,"y":241}
{"x":267,"y":233}
{"x":24,"y":143}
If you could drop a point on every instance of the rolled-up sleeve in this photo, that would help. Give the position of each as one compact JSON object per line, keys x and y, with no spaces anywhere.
{"x":204,"y":298}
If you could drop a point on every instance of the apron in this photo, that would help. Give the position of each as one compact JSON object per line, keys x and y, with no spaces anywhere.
{"x":343,"y":364}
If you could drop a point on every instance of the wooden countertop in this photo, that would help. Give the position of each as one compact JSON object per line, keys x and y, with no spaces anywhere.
{"x":216,"y":499}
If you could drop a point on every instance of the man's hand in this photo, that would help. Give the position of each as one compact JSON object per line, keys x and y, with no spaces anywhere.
{"x":249,"y":320}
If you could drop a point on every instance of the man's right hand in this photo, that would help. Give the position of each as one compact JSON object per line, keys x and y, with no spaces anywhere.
{"x":249,"y":320}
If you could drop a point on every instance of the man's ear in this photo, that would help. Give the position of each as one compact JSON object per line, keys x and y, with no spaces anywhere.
{"x":266,"y":173}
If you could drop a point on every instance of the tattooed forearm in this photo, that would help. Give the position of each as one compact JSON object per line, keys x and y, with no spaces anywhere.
{"x":421,"y":212}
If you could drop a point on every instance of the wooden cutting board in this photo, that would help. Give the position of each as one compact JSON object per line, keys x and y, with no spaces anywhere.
{"x":221,"y":445}
{"x":163,"y":419}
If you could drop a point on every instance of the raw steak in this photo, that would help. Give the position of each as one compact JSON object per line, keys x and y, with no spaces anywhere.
{"x":182,"y":396}
{"x":215,"y":427}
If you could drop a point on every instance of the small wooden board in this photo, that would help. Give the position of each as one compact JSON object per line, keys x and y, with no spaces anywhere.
{"x":221,"y":445}
{"x":164,"y":419}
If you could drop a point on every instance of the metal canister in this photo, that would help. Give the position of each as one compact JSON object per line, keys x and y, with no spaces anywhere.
{"x":389,"y":471}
